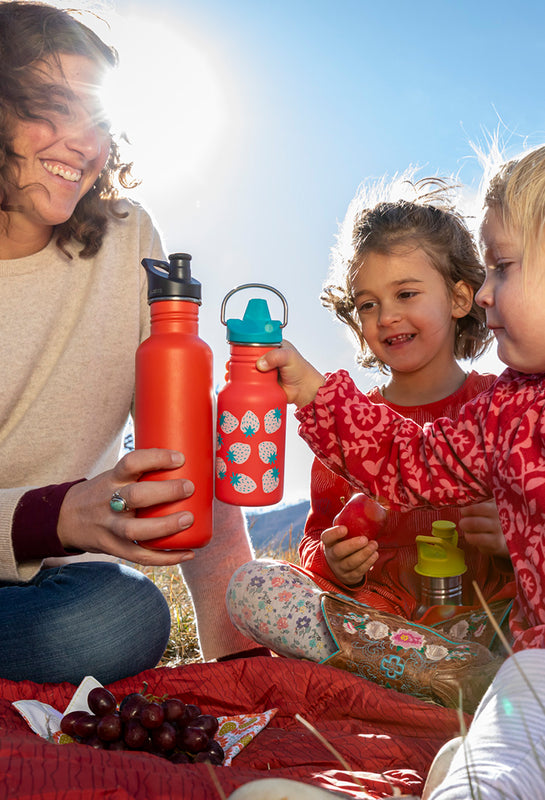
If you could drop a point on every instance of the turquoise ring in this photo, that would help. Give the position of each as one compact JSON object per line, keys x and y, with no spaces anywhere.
{"x":118,"y":503}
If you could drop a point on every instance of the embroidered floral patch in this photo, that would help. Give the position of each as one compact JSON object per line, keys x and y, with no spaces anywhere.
{"x":401,"y":639}
{"x":406,"y":639}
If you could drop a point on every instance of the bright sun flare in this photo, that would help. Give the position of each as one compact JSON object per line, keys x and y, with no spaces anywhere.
{"x":166,"y":96}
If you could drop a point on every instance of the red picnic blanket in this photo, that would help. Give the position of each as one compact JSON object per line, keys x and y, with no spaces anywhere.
{"x":388,"y":739}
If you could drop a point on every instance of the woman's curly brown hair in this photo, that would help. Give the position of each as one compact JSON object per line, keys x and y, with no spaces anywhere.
{"x":430,"y":222}
{"x":32,"y":33}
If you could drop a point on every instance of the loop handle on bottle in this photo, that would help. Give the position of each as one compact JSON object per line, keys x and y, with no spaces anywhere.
{"x":254,"y":286}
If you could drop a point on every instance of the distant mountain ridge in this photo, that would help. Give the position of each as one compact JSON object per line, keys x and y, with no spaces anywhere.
{"x":279,"y":529}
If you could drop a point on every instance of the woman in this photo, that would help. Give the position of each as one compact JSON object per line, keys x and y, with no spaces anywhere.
{"x":73,"y":311}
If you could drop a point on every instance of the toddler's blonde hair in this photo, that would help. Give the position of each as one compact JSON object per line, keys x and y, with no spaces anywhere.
{"x":517,"y":193}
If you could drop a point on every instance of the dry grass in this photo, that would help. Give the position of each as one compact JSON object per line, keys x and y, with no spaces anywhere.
{"x":183,"y":644}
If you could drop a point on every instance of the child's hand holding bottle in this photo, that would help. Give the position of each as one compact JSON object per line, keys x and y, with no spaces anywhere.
{"x":299,"y":379}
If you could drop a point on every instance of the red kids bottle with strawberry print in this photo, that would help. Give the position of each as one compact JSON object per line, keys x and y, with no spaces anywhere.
{"x":251,"y":413}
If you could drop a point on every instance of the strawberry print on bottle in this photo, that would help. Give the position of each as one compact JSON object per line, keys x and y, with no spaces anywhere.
{"x":242,"y":483}
{"x":261,"y":479}
{"x":270,"y":480}
{"x":239,"y":452}
{"x":268,"y":452}
{"x":249,"y":424}
{"x":228,"y":422}
{"x":273,"y":420}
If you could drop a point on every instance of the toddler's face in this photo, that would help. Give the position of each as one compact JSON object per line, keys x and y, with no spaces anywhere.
{"x":514,"y":300}
{"x":407,"y":315}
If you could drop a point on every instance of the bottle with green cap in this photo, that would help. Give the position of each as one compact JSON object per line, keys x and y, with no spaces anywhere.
{"x":251,"y":413}
{"x":440,"y":564}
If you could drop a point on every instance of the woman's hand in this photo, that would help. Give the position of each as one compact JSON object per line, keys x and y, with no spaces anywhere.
{"x":480,"y":524}
{"x":86,"y":521}
{"x":299,"y":379}
{"x":349,"y":559}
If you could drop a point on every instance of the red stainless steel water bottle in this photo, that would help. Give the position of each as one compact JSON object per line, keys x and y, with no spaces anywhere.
{"x":251,"y":414}
{"x":174,"y":406}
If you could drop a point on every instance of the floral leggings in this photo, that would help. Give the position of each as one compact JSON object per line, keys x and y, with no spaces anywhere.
{"x":279,"y":607}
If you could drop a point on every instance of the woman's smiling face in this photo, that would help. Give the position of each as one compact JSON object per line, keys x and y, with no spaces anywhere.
{"x":60,"y":157}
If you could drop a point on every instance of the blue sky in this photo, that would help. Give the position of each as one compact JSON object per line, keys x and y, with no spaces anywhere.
{"x":253,"y":123}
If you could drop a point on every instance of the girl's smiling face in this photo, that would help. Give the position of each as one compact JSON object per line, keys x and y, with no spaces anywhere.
{"x":60,"y":157}
{"x":513,"y":297}
{"x":407,"y":314}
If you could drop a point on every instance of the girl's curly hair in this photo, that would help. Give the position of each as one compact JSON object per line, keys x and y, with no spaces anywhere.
{"x":428,"y":221}
{"x":32,"y":33}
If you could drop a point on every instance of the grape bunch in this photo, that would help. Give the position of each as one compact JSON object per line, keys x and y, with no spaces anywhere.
{"x":165,"y":727}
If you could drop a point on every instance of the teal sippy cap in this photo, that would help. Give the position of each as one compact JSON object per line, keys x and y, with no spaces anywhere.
{"x":256,"y":327}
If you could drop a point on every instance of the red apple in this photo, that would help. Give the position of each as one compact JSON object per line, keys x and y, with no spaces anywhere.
{"x":362,"y":516}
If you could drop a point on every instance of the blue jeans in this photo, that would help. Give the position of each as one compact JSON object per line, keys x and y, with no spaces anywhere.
{"x":97,"y":618}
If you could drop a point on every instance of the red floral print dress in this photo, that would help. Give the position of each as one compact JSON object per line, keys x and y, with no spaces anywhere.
{"x":495,"y":447}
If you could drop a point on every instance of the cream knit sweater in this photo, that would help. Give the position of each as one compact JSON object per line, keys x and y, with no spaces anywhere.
{"x":69,"y":331}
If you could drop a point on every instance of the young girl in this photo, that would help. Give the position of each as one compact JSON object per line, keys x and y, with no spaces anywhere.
{"x":406,"y":274}
{"x":494,"y":447}
{"x":73,"y":310}
{"x":405,"y":284}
